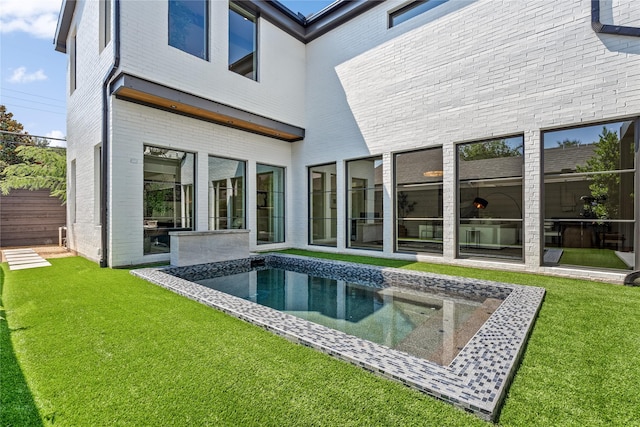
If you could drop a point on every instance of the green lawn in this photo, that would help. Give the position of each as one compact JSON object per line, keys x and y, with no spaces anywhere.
{"x":84,"y":346}
{"x":601,"y":258}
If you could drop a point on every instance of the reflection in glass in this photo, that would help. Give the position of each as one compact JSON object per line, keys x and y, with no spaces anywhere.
{"x":226,"y":194}
{"x":589,"y":175}
{"x":242,"y":42}
{"x":365,"y":193}
{"x":490,"y":198}
{"x":270,"y":204}
{"x":323,"y":220}
{"x":419,"y":201}
{"x":413,"y":9}
{"x":167,"y":196}
{"x":188,"y":22}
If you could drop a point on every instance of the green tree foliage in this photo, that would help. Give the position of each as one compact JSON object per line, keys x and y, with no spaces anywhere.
{"x":489,"y":150}
{"x":568,"y":143}
{"x":27,"y":162}
{"x":604,"y":187}
{"x":11,"y":137}
{"x":40,"y":168}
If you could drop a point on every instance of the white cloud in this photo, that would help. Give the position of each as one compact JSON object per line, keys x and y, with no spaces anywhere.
{"x":20,"y":75}
{"x":35,"y":17}
{"x":56,"y":134}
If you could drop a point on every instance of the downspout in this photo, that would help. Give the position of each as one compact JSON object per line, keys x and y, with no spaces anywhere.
{"x":104,"y":180}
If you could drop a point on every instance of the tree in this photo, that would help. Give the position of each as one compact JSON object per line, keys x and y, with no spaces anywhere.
{"x":605,"y":187}
{"x":489,"y":150}
{"x":12,"y":137}
{"x":40,"y":168}
{"x":568,"y":143}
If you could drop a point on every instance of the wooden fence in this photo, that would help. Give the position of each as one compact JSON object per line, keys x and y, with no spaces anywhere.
{"x":30,"y":218}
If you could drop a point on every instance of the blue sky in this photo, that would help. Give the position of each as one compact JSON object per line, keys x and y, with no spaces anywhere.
{"x":33,"y":75}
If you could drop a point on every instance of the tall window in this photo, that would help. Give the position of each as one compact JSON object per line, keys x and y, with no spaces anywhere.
{"x":411,"y":10}
{"x":73,"y":57}
{"x":243,"y":56}
{"x":105,"y":23}
{"x":188,"y":26}
{"x":270,"y":204}
{"x":490,"y":198}
{"x":418,"y":177}
{"x":364,"y":210}
{"x":226,"y":193}
{"x":589,"y":175}
{"x":167,"y":196}
{"x":323,"y":220}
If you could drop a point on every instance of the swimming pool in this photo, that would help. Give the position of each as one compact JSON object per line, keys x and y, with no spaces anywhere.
{"x":476,"y":379}
{"x":429,"y":325}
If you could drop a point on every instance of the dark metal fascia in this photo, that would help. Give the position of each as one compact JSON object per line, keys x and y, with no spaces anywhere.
{"x":308,"y":29}
{"x":618,"y":30}
{"x":125,"y":80}
{"x":64,"y":25}
{"x":337,"y":15}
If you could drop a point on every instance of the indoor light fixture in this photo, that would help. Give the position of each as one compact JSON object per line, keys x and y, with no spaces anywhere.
{"x":480,"y":203}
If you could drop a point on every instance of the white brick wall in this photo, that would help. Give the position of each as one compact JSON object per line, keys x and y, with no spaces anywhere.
{"x":135,"y":126}
{"x":466,"y":70}
{"x":279,"y":94}
{"x":84,"y":132}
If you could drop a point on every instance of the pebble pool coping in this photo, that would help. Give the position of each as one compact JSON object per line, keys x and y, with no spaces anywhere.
{"x":476,"y":380}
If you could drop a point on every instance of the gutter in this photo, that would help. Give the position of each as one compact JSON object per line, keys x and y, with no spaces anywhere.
{"x":104,"y":158}
{"x":599,"y":27}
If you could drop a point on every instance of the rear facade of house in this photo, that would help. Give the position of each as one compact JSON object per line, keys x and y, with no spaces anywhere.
{"x":485,"y":133}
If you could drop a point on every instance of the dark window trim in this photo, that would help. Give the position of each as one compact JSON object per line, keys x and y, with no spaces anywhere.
{"x":406,"y":8}
{"x":618,"y":30}
{"x":309,"y":190}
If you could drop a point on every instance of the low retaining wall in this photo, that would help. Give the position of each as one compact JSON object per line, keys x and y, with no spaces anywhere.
{"x":200,"y":247}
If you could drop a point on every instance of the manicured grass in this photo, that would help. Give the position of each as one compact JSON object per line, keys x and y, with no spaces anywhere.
{"x":100,"y":347}
{"x":601,"y":258}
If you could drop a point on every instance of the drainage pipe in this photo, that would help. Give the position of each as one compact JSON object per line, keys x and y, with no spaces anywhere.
{"x":104,"y":158}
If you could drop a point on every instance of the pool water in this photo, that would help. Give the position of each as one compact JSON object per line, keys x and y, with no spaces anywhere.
{"x":426,"y":325}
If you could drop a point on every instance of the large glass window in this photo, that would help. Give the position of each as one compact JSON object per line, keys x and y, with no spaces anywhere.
{"x":226,"y":193}
{"x":270,"y":204}
{"x":167,"y":196}
{"x":418,"y":177}
{"x":323,"y":220}
{"x":188,"y":26}
{"x":364,"y":210}
{"x":411,"y":10}
{"x":490,"y":198}
{"x":589,"y":175}
{"x":243,"y":54}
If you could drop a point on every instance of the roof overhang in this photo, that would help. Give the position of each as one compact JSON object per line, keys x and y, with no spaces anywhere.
{"x":302,"y":28}
{"x":64,"y":25}
{"x":140,"y":91}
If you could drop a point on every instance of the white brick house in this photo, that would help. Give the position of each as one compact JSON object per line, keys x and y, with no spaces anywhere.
{"x":368,"y":128}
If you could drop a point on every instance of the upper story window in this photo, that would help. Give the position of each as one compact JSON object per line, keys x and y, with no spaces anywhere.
{"x":105,"y":23}
{"x":412,"y":9}
{"x":243,"y":50}
{"x":188,"y":26}
{"x":73,"y":58}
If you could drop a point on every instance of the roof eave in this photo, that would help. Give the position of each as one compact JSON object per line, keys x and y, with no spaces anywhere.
{"x":64,"y":25}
